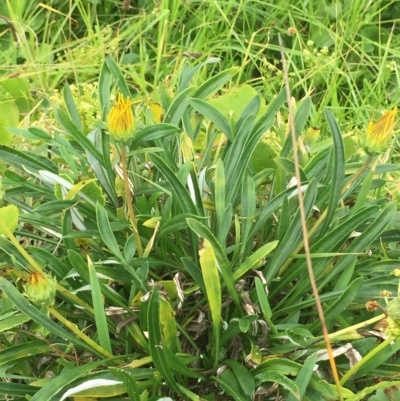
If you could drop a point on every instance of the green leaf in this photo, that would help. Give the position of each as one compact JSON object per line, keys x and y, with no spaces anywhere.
{"x":263,"y":299}
{"x":304,"y":376}
{"x":98,"y":306}
{"x":152,"y":133}
{"x":293,"y":236}
{"x":156,"y":344}
{"x":214,"y":83}
{"x":118,"y":76}
{"x":244,"y":378}
{"x":13,"y":321}
{"x":23,"y":351}
{"x":106,"y":233}
{"x":181,"y":192}
{"x":300,"y":120}
{"x":338,"y":169}
{"x":8,"y":219}
{"x":129,"y":381}
{"x":223,"y":263}
{"x":68,"y":125}
{"x":20,"y":159}
{"x":276,"y":377}
{"x":25,"y":307}
{"x":213,"y":114}
{"x":9,"y":117}
{"x":209,"y":270}
{"x":175,"y":112}
{"x":57,"y":384}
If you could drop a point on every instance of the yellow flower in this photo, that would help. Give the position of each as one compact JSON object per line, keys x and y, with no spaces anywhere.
{"x":121,"y":123}
{"x":379,"y":133}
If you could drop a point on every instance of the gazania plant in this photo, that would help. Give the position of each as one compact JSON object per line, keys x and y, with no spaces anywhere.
{"x":161,"y":255}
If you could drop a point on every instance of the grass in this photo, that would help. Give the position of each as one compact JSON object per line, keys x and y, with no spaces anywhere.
{"x":202,"y":289}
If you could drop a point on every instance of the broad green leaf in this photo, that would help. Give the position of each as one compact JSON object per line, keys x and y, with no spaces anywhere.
{"x":230,"y":384}
{"x":77,"y":188}
{"x":156,"y":345}
{"x":223,"y":263}
{"x":209,"y":270}
{"x":9,"y":117}
{"x":244,"y":378}
{"x":276,"y":377}
{"x":234,"y":102}
{"x":168,"y":324}
{"x":10,"y":322}
{"x":8,"y":219}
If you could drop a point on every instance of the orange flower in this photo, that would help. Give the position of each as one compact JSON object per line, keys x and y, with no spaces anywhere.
{"x":121,"y":123}
{"x":41,"y":288}
{"x":379,"y":133}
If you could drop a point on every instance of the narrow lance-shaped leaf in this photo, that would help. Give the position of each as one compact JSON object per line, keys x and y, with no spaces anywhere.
{"x":209,"y":270}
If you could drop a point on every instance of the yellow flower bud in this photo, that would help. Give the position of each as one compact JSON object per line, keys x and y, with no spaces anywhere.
{"x":121,"y":123}
{"x":379,"y":133}
{"x":41,"y":288}
{"x":152,"y":223}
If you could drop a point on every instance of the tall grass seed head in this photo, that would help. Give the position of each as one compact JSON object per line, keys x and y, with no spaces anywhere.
{"x":121,"y":122}
{"x":379,"y":133}
{"x":41,"y":288}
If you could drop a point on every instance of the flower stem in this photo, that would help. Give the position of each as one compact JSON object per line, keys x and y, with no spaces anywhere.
{"x":366,"y":358}
{"x":34,"y":266}
{"x":78,"y":333}
{"x":129,"y":201}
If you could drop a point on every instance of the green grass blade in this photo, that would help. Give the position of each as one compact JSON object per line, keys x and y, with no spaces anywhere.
{"x":98,"y":306}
